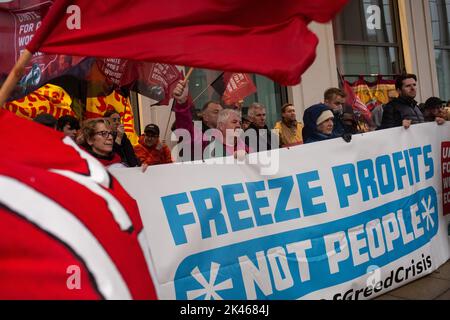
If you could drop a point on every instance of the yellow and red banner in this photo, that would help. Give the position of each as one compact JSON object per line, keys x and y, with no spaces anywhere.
{"x":97,"y":106}
{"x":47,"y":99}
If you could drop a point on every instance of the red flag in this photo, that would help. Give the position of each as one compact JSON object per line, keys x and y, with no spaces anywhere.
{"x":165,"y":77}
{"x":19,"y":21}
{"x":266,"y":37}
{"x":356,"y":103}
{"x":239,"y":86}
{"x":64,"y":221}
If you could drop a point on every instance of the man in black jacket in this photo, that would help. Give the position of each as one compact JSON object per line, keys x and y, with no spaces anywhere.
{"x":263,"y":138}
{"x":403,"y":111}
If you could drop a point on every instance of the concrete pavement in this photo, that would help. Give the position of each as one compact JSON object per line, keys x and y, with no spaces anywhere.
{"x":436,"y":286}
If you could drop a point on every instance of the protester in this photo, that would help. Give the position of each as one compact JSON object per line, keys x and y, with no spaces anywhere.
{"x":433,"y":110}
{"x":318,"y":124}
{"x":69,"y":125}
{"x":245,"y":123}
{"x":289,"y":129}
{"x":209,"y":114}
{"x":150,"y":150}
{"x":344,"y":119}
{"x":403,"y":111}
{"x":446,"y":111}
{"x":122,"y":144}
{"x":97,"y":138}
{"x":226,"y":141}
{"x":46,"y":119}
{"x":258,"y":129}
{"x":377,"y":112}
{"x":201,"y":138}
{"x":183,"y":120}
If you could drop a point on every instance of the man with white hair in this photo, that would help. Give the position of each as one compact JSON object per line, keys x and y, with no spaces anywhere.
{"x":258,"y":128}
{"x":226,"y":141}
{"x":214,"y":117}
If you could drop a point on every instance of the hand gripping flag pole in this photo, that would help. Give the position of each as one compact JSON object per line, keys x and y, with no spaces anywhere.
{"x":56,"y":10}
{"x":173,"y":104}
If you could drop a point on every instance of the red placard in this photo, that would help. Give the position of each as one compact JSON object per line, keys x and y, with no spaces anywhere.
{"x":238,"y":86}
{"x":445,"y":159}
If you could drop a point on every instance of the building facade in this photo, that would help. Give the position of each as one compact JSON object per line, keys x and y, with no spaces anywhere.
{"x":368,"y":38}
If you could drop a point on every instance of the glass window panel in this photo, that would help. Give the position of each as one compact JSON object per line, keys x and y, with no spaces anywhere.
{"x":443,"y":72}
{"x":367,"y":60}
{"x":351,"y":23}
{"x":440,"y":11}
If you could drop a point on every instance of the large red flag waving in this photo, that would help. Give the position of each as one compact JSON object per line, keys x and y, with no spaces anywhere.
{"x":266,"y":37}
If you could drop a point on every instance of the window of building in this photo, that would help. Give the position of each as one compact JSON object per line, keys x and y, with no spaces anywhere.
{"x":440,"y":12}
{"x":367,"y":38}
{"x":269,"y":93}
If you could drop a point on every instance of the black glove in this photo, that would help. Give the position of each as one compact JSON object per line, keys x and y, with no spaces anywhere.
{"x":347,"y":137}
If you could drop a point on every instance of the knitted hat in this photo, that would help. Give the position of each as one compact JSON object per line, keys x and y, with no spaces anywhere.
{"x":324,"y":116}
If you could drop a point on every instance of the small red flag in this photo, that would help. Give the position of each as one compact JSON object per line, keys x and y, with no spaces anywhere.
{"x":164,"y":77}
{"x":238,"y":87}
{"x":356,"y":103}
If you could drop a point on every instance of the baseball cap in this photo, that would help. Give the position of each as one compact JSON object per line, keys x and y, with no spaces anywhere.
{"x":152,"y":129}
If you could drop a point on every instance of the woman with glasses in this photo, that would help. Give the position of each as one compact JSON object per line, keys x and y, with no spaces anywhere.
{"x":97,"y":138}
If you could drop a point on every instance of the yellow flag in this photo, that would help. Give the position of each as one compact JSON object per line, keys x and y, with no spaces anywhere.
{"x":97,"y":106}
{"x":47,"y":99}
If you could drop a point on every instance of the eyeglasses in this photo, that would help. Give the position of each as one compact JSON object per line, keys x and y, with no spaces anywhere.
{"x":115,"y":119}
{"x":152,"y":136}
{"x":104,"y":134}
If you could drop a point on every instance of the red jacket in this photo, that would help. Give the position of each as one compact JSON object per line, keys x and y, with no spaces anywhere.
{"x":157,"y":154}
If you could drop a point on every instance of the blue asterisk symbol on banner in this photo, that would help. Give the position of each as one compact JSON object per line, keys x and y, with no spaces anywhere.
{"x":429,"y":210}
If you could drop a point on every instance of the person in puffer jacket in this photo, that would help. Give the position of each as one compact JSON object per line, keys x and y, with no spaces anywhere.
{"x":150,"y":150}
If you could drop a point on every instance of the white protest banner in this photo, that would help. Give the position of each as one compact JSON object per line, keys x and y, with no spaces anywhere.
{"x":337,"y":220}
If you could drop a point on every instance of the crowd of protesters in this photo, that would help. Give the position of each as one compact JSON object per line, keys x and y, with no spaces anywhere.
{"x":216,"y":134}
{"x":331,"y":119}
{"x":105,"y":139}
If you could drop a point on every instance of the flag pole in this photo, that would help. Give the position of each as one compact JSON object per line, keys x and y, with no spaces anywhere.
{"x":201,"y":93}
{"x":14,"y":76}
{"x":188,"y":75}
{"x":186,"y":78}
